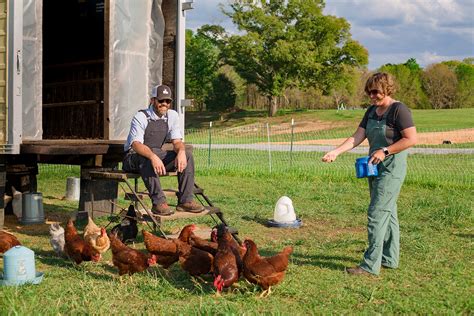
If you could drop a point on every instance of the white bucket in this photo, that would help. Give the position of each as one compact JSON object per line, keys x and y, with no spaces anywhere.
{"x":284,"y":211}
{"x":73,"y":188}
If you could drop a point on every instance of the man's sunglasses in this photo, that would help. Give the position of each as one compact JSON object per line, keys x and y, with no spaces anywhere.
{"x":167,"y":101}
{"x":375,"y":92}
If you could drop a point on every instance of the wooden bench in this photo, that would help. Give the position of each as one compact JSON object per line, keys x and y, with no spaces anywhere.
{"x":144,"y":214}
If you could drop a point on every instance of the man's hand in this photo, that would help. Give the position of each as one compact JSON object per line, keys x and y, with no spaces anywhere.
{"x":181,"y":162}
{"x":330,"y":156}
{"x":158,"y":165}
{"x":377,"y":157}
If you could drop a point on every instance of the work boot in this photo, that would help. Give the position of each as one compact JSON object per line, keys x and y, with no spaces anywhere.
{"x":161,"y":209}
{"x":191,"y":207}
{"x":357,"y":271}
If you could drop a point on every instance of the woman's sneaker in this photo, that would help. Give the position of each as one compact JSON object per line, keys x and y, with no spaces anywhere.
{"x":191,"y":207}
{"x":162,"y":209}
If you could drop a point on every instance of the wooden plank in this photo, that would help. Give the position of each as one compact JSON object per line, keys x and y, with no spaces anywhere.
{"x":73,"y":103}
{"x":120,"y":175}
{"x":183,"y":215}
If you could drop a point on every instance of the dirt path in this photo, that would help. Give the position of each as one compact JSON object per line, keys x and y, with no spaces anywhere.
{"x":432,"y":138}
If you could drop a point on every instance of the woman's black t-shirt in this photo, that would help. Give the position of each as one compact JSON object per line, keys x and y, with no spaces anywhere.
{"x":398,"y":118}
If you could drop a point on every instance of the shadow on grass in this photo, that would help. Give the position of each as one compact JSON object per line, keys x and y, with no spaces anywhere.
{"x":468,"y":236}
{"x":257,"y":219}
{"x":324,"y":261}
{"x":49,"y":257}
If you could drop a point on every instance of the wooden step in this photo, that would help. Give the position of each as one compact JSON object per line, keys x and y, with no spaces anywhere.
{"x":181,"y":215}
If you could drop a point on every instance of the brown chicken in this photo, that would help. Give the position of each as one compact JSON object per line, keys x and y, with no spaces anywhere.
{"x":166,"y":249}
{"x":265,"y":271}
{"x":194,"y":260}
{"x":227,"y":261}
{"x":96,"y":237}
{"x":198,"y":242}
{"x":128,"y":260}
{"x":76,"y":248}
{"x":7,"y":241}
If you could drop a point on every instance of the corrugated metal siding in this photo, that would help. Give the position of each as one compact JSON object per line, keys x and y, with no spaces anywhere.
{"x":3,"y":71}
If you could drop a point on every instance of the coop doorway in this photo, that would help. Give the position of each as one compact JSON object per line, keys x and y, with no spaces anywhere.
{"x":73,"y":69}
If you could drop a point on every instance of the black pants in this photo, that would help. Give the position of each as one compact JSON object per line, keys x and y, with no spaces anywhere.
{"x":133,"y":162}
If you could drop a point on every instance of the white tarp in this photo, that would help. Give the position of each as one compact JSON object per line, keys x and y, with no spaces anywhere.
{"x":32,"y":70}
{"x":135,"y":60}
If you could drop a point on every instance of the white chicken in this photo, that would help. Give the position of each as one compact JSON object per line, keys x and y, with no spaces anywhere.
{"x":57,"y":239}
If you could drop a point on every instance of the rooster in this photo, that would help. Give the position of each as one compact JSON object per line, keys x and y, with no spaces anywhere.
{"x":96,"y":237}
{"x":128,"y":260}
{"x":76,"y":248}
{"x":7,"y":241}
{"x":227,"y":261}
{"x":56,"y":239}
{"x":265,"y":271}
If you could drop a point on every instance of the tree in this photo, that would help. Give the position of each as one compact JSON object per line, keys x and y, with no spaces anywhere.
{"x":287,"y":43}
{"x":408,"y":78}
{"x":223,"y":94}
{"x":202,"y":58}
{"x":440,"y":84}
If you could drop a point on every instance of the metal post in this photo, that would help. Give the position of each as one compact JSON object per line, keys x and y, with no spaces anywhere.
{"x":209,"y":150}
{"x":291,"y":141}
{"x":269,"y":149}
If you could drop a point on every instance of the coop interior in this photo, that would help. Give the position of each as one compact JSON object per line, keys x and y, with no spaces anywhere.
{"x":73,"y":69}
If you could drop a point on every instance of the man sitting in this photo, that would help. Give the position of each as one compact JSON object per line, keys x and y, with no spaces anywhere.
{"x":149,"y":130}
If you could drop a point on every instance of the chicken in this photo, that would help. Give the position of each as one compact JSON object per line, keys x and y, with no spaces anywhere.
{"x":166,"y":249}
{"x":265,"y":271}
{"x":128,"y":260}
{"x":198,"y":242}
{"x":96,"y":237}
{"x":127,"y":230}
{"x":227,"y":261}
{"x":194,"y":260}
{"x":56,"y":239}
{"x":77,"y":248}
{"x":7,"y":241}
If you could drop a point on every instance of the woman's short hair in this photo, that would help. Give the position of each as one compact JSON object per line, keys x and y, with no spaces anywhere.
{"x":382,"y":82}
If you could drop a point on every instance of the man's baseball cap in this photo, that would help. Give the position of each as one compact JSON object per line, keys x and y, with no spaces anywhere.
{"x":161,"y":92}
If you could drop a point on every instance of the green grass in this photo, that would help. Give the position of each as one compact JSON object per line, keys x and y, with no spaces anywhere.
{"x":435,"y":276}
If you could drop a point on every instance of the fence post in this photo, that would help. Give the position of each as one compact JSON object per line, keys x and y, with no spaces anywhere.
{"x":291,"y":142}
{"x":209,"y":149}
{"x":269,"y":149}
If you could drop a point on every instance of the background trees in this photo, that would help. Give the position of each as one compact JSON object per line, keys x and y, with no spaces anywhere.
{"x":288,"y":54}
{"x":289,"y":43}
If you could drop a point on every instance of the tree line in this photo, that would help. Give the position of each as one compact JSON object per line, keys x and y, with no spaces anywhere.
{"x":288,"y":54}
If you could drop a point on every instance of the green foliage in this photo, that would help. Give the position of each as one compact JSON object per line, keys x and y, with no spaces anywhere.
{"x":408,"y":78}
{"x":289,"y":43}
{"x":223,"y":94}
{"x":440,"y":84}
{"x":465,"y":90}
{"x":202,"y":57}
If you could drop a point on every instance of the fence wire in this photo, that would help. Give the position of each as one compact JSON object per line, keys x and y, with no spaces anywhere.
{"x":440,"y":158}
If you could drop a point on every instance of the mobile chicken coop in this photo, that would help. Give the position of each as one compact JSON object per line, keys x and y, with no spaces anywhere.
{"x":72,"y":75}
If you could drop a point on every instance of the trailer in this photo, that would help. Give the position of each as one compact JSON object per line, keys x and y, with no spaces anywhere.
{"x":72,"y":75}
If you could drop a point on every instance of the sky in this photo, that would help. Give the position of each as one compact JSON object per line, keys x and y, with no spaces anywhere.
{"x":393,"y":31}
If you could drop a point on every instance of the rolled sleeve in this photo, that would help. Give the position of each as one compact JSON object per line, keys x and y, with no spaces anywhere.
{"x":174,"y":130}
{"x":137,"y":130}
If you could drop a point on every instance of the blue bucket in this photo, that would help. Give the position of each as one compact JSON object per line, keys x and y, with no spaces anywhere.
{"x":364,"y":168}
{"x":19,"y":267}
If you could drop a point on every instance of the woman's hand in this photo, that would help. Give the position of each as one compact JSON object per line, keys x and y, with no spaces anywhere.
{"x":377,"y":157}
{"x":330,"y":156}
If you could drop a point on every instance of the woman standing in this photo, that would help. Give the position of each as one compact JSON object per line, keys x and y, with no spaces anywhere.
{"x":389,"y":128}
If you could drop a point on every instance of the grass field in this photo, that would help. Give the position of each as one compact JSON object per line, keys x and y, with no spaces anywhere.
{"x":436,"y":259}
{"x":435,"y":212}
